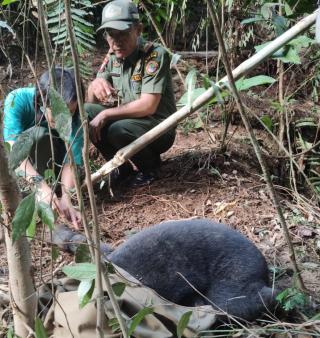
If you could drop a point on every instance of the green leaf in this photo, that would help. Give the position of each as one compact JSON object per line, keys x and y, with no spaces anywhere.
{"x":267,"y":121}
{"x":244,"y":84}
{"x":7,"y":147}
{"x":252,"y":20}
{"x":54,"y":253}
{"x":61,"y":115}
{"x":198,"y":124}
{"x":46,"y":214}
{"x":194,"y":94}
{"x":80,"y":271}
{"x":280,"y":24}
{"x":287,"y":9}
{"x":39,"y":328}
{"x":292,"y":56}
{"x":190,"y":84}
{"x":174,"y":59}
{"x":82,"y":254}
{"x":110,"y":268}
{"x":118,"y":288}
{"x":49,"y":175}
{"x":10,"y":333}
{"x":23,"y":216}
{"x":266,"y":11}
{"x":22,"y":146}
{"x":114,"y":324}
{"x":31,"y":230}
{"x":183,"y":323}
{"x":138,"y":317}
{"x":8,"y":2}
{"x":85,"y":291}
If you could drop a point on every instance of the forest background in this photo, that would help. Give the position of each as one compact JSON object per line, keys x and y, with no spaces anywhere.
{"x":213,"y":145}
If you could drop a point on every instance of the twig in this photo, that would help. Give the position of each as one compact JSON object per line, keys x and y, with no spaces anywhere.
{"x":99,"y":267}
{"x":255,"y":145}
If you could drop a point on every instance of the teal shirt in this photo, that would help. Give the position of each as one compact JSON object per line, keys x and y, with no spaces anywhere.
{"x":20,"y":115}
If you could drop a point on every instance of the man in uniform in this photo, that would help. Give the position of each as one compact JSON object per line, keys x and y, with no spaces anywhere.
{"x":138,"y":74}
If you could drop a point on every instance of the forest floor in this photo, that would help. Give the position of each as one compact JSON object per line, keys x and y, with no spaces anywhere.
{"x":197,"y":179}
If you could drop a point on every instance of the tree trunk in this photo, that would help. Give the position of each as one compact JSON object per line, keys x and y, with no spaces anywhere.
{"x":23,"y":296}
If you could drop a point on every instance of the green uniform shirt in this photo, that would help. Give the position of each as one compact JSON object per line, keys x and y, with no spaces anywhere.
{"x":146,"y":70}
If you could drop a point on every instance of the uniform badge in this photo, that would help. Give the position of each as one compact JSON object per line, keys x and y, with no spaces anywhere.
{"x":152,"y":67}
{"x":153,"y":54}
{"x":136,"y":77}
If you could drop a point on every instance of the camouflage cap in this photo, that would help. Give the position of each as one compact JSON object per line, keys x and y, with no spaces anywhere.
{"x":119,"y":14}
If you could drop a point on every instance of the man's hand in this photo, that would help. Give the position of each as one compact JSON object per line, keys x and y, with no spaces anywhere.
{"x":67,"y":210}
{"x":95,"y":127}
{"x":101,"y":90}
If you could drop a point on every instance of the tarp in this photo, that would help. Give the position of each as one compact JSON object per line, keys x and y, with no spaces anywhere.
{"x":66,"y":319}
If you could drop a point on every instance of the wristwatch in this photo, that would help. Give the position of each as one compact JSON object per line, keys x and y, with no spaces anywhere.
{"x":36,"y":179}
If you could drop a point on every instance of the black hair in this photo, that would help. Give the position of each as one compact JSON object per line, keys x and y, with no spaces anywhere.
{"x":66,"y":86}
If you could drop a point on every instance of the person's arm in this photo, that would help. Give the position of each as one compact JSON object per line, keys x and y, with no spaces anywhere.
{"x":65,"y":205}
{"x":146,"y":105}
{"x":44,"y":191}
{"x":99,"y":91}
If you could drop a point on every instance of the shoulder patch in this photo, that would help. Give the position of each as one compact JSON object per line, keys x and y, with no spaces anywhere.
{"x":152,"y":55}
{"x":152,"y":67}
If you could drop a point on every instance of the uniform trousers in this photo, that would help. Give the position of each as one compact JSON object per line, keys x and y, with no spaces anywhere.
{"x":117,"y":134}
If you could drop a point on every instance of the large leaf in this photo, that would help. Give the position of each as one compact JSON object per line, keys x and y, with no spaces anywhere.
{"x":22,"y":146}
{"x":46,"y":214}
{"x":244,"y":84}
{"x":61,"y":115}
{"x":280,"y":24}
{"x":80,"y":271}
{"x":85,"y":291}
{"x":138,"y":317}
{"x":190,"y":84}
{"x":39,"y":328}
{"x":194,"y":94}
{"x":23,"y":216}
{"x":31,"y":230}
{"x":183,"y":323}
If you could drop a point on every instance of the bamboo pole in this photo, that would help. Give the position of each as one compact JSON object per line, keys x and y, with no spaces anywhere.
{"x":127,"y":152}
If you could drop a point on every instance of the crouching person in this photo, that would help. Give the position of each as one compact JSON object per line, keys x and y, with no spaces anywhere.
{"x":137,"y":73}
{"x":28,"y":110}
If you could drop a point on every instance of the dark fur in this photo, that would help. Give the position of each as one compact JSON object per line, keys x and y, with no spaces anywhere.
{"x":219,"y":262}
